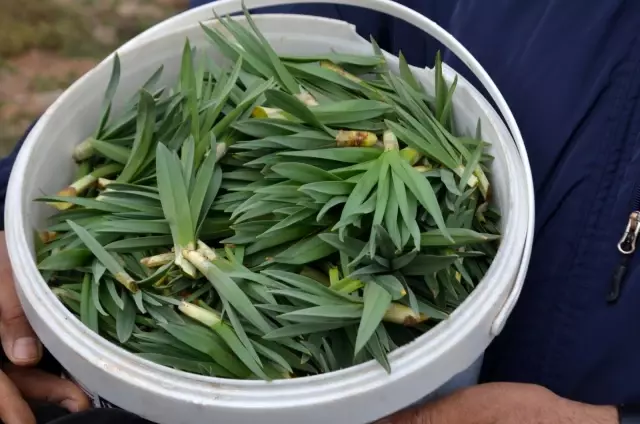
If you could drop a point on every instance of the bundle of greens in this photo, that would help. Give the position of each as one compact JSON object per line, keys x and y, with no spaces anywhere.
{"x":269,"y":216}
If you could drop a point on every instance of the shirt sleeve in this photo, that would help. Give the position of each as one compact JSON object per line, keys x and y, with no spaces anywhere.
{"x":629,"y":414}
{"x":6,"y":165}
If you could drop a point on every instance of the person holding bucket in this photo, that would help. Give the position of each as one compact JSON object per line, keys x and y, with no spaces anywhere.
{"x":570,"y":73}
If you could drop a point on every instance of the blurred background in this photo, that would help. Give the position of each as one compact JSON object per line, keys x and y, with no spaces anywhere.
{"x":45,"y":45}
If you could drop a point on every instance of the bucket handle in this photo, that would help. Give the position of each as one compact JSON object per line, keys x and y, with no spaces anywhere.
{"x":389,"y":7}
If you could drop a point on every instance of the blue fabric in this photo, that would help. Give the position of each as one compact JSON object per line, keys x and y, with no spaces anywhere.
{"x":6,"y":163}
{"x":570,"y":71}
{"x":630,"y":420}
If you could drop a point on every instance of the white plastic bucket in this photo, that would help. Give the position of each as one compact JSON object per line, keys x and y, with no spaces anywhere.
{"x":359,"y":394}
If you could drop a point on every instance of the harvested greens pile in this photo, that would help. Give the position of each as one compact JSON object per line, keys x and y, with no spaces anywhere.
{"x":276,"y":217}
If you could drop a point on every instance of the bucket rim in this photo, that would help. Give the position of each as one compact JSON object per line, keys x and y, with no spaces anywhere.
{"x":369,"y":374}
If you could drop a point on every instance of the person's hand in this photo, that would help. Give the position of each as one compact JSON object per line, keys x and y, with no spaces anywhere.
{"x":21,"y":346}
{"x":505,"y":403}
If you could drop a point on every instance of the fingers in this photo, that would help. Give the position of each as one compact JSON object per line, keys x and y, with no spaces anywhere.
{"x":413,"y":416}
{"x":18,"y":339}
{"x":13,"y":408}
{"x":39,"y":385}
{"x":451,"y":409}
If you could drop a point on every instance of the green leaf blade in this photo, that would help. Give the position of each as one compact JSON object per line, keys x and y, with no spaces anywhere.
{"x":376,"y":302}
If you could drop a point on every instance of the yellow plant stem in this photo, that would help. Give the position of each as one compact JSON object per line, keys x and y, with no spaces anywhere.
{"x":157,"y":261}
{"x":183,"y":262}
{"x":390,"y":141}
{"x":261,"y":112}
{"x":404,"y":315}
{"x":47,"y":236}
{"x":84,"y":150}
{"x":103,"y":183}
{"x":127,"y":281}
{"x":307,"y":98}
{"x":221,"y":150}
{"x":346,"y":138}
{"x":207,"y":317}
{"x":83,"y":184}
{"x":206,"y":251}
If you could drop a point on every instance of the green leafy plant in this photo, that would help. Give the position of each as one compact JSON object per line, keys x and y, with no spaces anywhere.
{"x":276,"y":217}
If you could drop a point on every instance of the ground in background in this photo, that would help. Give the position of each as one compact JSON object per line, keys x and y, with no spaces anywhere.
{"x":45,"y":45}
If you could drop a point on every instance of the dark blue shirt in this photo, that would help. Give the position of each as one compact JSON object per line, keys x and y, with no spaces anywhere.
{"x":570,"y":70}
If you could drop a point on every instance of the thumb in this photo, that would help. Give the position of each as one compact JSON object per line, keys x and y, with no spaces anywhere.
{"x":18,"y":339}
{"x":435,"y":412}
{"x":36,"y":384}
